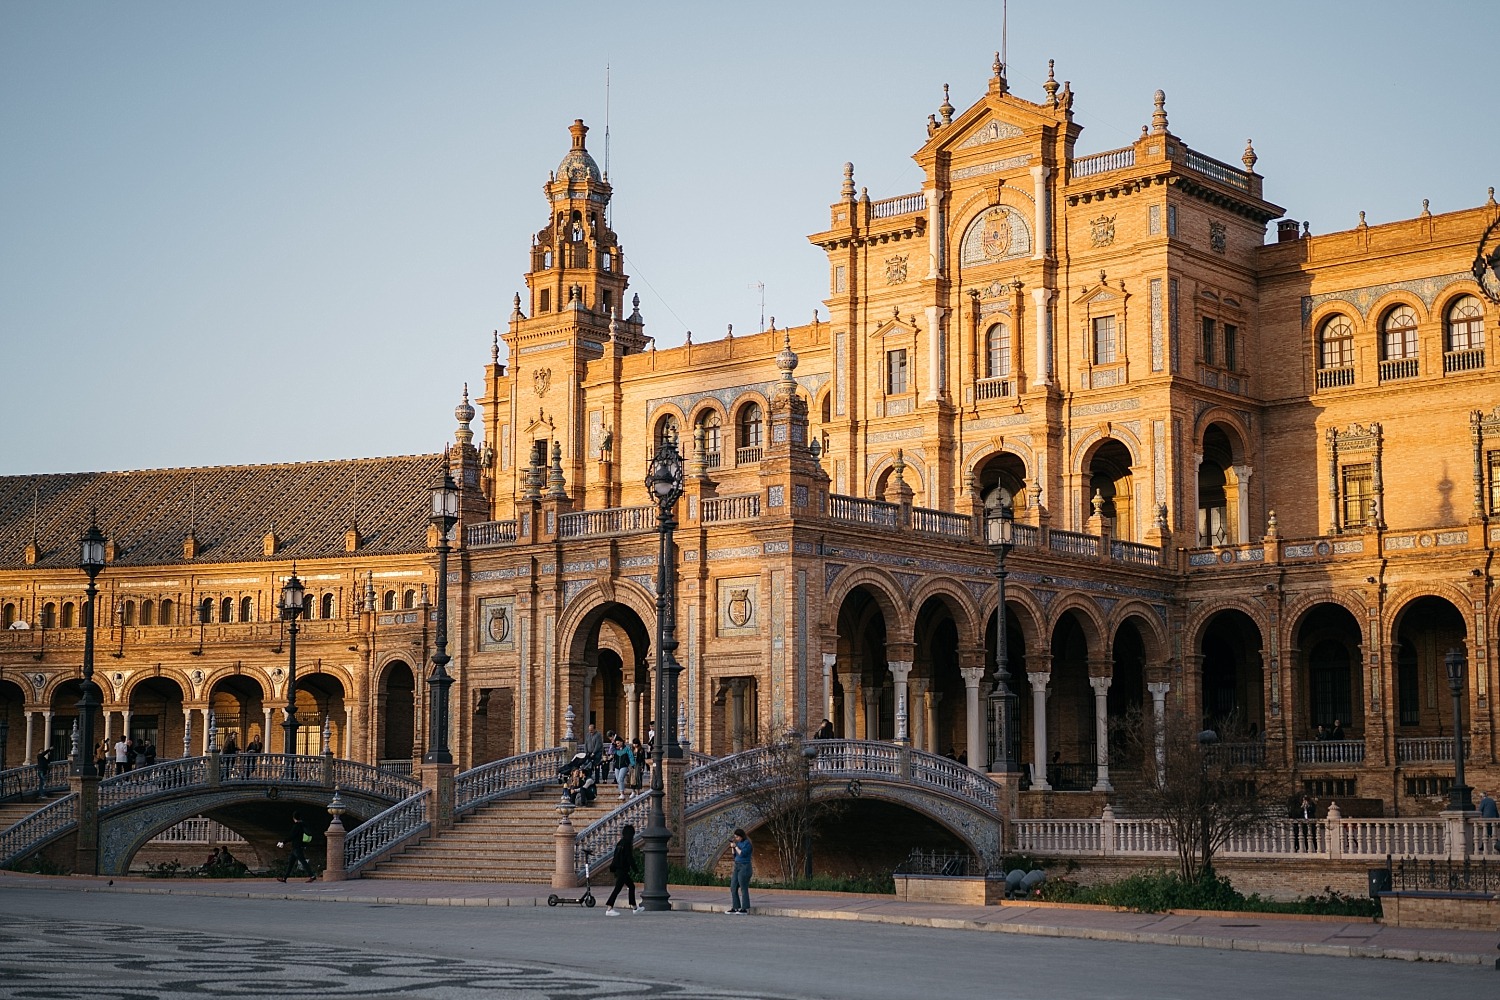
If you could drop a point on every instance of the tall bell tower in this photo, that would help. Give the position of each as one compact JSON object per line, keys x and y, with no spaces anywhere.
{"x":576,"y":315}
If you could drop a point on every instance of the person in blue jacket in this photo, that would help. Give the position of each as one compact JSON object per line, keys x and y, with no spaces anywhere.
{"x":739,"y":881}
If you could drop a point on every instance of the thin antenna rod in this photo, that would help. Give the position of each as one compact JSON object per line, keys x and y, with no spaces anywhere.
{"x":609,"y":211}
{"x":1004,"y":31}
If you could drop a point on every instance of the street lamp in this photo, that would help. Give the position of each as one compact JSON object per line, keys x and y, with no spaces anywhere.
{"x":91,"y":561}
{"x":292,"y":596}
{"x":1000,"y":527}
{"x":1461,"y":797}
{"x":664,"y":484}
{"x":444,"y":517}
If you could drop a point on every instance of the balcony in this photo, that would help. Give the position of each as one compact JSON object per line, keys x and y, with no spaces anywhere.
{"x":1340,"y":752}
{"x":994,"y":388}
{"x":1335,"y":378}
{"x":1463,"y":361}
{"x":610,"y":521}
{"x":743,"y":507}
{"x":1397,"y":369}
{"x":1427,"y":749}
{"x":748,"y":456}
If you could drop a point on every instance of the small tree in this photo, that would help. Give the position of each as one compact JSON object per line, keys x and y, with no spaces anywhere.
{"x":775,"y":781}
{"x":1203,"y":786}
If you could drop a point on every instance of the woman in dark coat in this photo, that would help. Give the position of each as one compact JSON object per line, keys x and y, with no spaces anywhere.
{"x":621,"y":864}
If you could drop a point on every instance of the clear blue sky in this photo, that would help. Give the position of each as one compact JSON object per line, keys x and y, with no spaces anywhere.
{"x":254,"y":232}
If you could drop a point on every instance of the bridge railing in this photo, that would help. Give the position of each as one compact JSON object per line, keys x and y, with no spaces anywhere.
{"x":599,"y":837}
{"x":1330,"y":838}
{"x":145,"y":782}
{"x":510,"y":776}
{"x":317,"y":771}
{"x":18,"y":781}
{"x":21,"y":839}
{"x":351,"y":775}
{"x":388,"y":830}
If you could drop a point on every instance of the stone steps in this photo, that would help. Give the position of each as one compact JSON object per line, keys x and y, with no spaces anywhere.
{"x":506,"y":841}
{"x":12,"y":813}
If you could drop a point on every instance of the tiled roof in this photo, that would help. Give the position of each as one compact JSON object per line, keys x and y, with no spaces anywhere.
{"x":148,"y":513}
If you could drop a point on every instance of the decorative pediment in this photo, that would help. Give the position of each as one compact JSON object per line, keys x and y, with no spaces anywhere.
{"x":1102,"y":295}
{"x":993,"y":130}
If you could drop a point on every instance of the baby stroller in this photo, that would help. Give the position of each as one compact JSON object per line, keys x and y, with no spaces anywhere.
{"x":577,"y":777}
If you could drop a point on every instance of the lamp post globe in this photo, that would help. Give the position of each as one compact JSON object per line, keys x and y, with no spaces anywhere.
{"x":91,"y":561}
{"x":1461,"y":797}
{"x":293,"y":598}
{"x":443,"y":516}
{"x":1005,"y":748}
{"x":664,"y":479}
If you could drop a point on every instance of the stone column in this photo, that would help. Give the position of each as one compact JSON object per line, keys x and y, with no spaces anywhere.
{"x":1101,"y":732}
{"x":850,"y":683}
{"x":126,"y":717}
{"x":47,"y":727}
{"x":934,"y":233}
{"x":901,"y":674}
{"x":1041,"y":297}
{"x":265,"y":733}
{"x":1042,"y":243}
{"x":590,"y":671}
{"x":1159,"y":691}
{"x":920,"y":687}
{"x":976,"y":750}
{"x":933,"y":700}
{"x":1039,"y":681}
{"x":872,"y":712}
{"x":737,"y":713}
{"x":934,"y":355}
{"x":30,"y":745}
{"x":830,"y":660}
{"x":348,"y":733}
{"x":632,"y":712}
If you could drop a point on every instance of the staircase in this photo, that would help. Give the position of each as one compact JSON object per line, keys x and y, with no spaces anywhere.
{"x":12,"y":813}
{"x":506,"y":841}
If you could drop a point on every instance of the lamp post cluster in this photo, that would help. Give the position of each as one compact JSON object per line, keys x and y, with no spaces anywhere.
{"x":1005,"y":750}
{"x":664,"y":477}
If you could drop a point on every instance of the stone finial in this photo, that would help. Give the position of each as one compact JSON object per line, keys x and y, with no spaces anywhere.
{"x":1159,"y":116}
{"x":1491,"y":202}
{"x":932,"y":125}
{"x":1306,"y":230}
{"x":635,"y":305}
{"x":568,"y":719}
{"x":557,"y":489}
{"x":515,"y":307}
{"x":495,"y":341}
{"x":1050,"y":86}
{"x":614,"y":325}
{"x":847,"y":191}
{"x":1065,"y":98}
{"x":1098,"y":504}
{"x":464,"y":413}
{"x":946,"y":108}
{"x":729,"y":331}
{"x":689,"y":338}
{"x":786,"y":361}
{"x":1248,"y":157}
{"x":1426,"y":210}
{"x":898,"y":469}
{"x":1271,"y":524}
{"x":997,"y":76}
{"x":1362,"y":223}
{"x":864,"y":193}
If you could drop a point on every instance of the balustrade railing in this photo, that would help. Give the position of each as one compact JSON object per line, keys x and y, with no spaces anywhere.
{"x":1058,"y":836}
{"x":610,"y":521}
{"x":1073,"y":543}
{"x":1398,"y":368}
{"x":387,"y":830}
{"x":904,"y":204}
{"x":876,"y":513}
{"x":1290,"y":838}
{"x":198,"y":830}
{"x":351,"y":775}
{"x":509,"y":776}
{"x":1025,"y":536}
{"x":1463,"y":361}
{"x":1414,"y":749}
{"x":1379,"y":838}
{"x":398,"y":765}
{"x":740,"y":507}
{"x":1136,"y":553}
{"x":994,"y":388}
{"x":1330,"y":751}
{"x":1217,"y":169}
{"x":1099,"y":163}
{"x":941,"y":522}
{"x":1335,"y":378}
{"x":18,"y":781}
{"x":477,"y":536}
{"x":748,"y":456}
{"x":22,"y":838}
{"x":954,"y":778}
{"x":145,"y":782}
{"x":596,"y":840}
{"x":1236,"y":753}
{"x":1484,"y":838}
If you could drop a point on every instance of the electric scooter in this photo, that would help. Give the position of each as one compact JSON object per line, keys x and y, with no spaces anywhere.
{"x":587,"y":899}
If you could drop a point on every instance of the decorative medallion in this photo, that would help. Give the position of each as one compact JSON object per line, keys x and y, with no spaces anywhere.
{"x":736,"y":603}
{"x":997,"y":233}
{"x":739,"y":608}
{"x":992,"y":131}
{"x":497,"y":618}
{"x":498,"y":626}
{"x":895,"y":269}
{"x":541,"y":381}
{"x":994,"y":238}
{"x":1102,"y":230}
{"x":1218,"y":237}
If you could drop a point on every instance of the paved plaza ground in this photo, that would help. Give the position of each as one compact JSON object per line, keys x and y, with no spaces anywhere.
{"x":156,"y":940}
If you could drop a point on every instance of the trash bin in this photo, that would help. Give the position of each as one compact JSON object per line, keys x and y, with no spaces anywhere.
{"x":1380,"y":881}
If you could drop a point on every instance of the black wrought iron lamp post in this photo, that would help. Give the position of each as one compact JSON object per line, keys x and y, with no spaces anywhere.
{"x":664,"y":483}
{"x":91,"y":561}
{"x":444,"y":517}
{"x":293,"y":594}
{"x":1462,"y":796}
{"x":1005,"y":751}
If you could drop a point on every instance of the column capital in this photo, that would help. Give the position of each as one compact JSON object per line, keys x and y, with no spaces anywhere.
{"x":900,"y":670}
{"x":1159,"y":689}
{"x":1039,"y":679}
{"x":972,"y":676}
{"x":830,"y":660}
{"x":1100,"y":685}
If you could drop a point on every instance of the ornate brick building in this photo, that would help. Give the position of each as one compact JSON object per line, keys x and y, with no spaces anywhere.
{"x":1257,"y":481}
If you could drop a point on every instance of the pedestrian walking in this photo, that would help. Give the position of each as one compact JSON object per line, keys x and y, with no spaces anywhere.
{"x":624,"y":760}
{"x":622,"y":864}
{"x":297,"y":839}
{"x":739,"y":879}
{"x":641,"y":762}
{"x":43,"y":766}
{"x":122,"y":756}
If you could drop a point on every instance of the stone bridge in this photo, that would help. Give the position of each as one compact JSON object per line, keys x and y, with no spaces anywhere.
{"x":253,"y":794}
{"x":721,"y":794}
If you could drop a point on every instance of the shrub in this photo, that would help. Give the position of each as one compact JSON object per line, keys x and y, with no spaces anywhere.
{"x":1157,"y":891}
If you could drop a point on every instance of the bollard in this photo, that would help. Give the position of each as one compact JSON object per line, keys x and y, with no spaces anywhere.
{"x":333,"y":864}
{"x":565,"y":871}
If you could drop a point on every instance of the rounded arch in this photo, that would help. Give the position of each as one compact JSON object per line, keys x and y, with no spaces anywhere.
{"x":882,"y":587}
{"x":592,"y":604}
{"x":1382,"y":307}
{"x":1147,"y":622}
{"x":1328,"y":657}
{"x":1229,"y":642}
{"x":1025,"y":610}
{"x":961,"y":604}
{"x":1333,"y":338}
{"x":1007,"y":470}
{"x":1086,"y":613}
{"x":1295,"y":612}
{"x":881,"y":475}
{"x":1399,"y":602}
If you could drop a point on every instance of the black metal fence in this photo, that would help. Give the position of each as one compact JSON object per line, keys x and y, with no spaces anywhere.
{"x":920,"y":862}
{"x":1414,"y":875}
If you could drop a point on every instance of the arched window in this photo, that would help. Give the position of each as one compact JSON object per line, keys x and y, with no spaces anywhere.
{"x":1398,"y":334}
{"x":409,"y":600}
{"x":310,"y":606}
{"x":749,"y":430}
{"x":67,"y":615}
{"x":9,"y":617}
{"x":168,"y":612}
{"x":327,"y":606}
{"x":997,"y":351}
{"x":388,"y":602}
{"x":712,"y":427}
{"x":1336,"y":344}
{"x":206,"y":611}
{"x":148,"y":612}
{"x":127,"y":614}
{"x":1465,"y":325}
{"x":247,"y":609}
{"x":226,"y":610}
{"x":49,"y":615}
{"x":666,"y":430}
{"x":544,"y":298}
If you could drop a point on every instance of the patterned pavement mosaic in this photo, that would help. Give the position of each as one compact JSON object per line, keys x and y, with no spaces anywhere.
{"x":117,"y":962}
